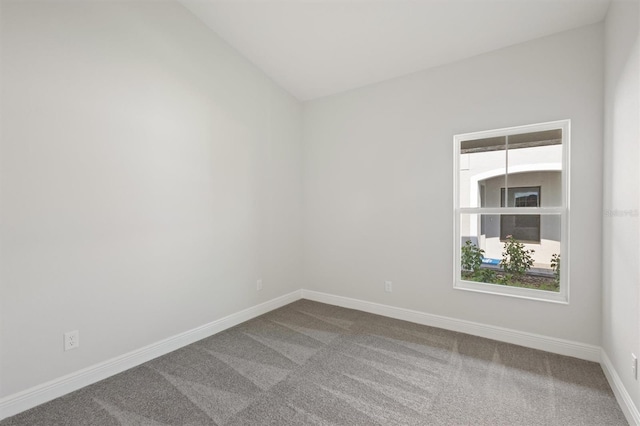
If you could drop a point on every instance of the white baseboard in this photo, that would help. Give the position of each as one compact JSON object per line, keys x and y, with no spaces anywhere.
{"x":521,"y":338}
{"x":624,"y":399}
{"x":16,"y":403}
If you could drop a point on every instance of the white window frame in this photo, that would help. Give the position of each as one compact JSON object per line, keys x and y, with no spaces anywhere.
{"x":561,"y":296}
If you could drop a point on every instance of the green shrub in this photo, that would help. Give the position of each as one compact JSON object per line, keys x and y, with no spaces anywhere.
{"x":471,"y":257}
{"x":484,"y":275}
{"x":516,"y":260}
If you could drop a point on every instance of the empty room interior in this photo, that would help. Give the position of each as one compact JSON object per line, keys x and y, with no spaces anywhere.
{"x":319,"y":212}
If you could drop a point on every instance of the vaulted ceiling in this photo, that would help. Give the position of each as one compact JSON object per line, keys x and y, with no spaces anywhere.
{"x":315,"y":48}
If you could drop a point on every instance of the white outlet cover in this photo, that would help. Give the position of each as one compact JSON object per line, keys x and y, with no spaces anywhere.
{"x":71,"y":340}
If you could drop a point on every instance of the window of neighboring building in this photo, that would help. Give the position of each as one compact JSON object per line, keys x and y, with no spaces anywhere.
{"x":508,"y":238}
{"x":525,"y":227}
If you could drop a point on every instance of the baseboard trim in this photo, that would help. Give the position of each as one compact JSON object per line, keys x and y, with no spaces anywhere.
{"x":521,"y":338}
{"x":21,"y":401}
{"x":624,"y":399}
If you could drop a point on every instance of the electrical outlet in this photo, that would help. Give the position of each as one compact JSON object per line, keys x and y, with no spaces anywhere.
{"x":71,"y":340}
{"x":388,"y":286}
{"x":259,"y":284}
{"x":634,"y":366}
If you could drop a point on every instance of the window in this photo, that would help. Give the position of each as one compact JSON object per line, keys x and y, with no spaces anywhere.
{"x":524,"y":227}
{"x":509,"y":238}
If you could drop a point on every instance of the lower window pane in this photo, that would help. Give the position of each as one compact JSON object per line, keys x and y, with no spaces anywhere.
{"x":528,"y":259}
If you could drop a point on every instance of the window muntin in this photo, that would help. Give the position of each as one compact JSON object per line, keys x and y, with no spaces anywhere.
{"x":500,"y":178}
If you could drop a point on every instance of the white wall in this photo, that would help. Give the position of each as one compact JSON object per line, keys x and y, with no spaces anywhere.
{"x":621,"y":230}
{"x":149,"y":175}
{"x":378,"y":180}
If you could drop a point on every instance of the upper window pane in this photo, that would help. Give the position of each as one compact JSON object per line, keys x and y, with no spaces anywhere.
{"x":482,"y":160}
{"x":535,"y":160}
{"x":493,"y":166}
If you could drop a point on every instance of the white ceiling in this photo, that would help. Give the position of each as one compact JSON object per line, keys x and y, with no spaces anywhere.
{"x":315,"y":48}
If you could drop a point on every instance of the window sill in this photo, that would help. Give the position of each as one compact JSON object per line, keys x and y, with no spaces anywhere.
{"x":521,"y":293}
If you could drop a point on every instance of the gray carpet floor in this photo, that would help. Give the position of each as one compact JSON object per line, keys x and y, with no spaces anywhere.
{"x":314,"y":364}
